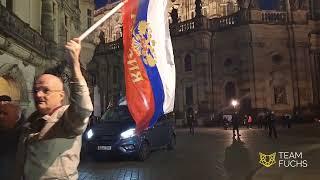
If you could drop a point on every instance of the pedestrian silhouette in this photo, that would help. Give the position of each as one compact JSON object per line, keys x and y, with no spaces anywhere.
{"x":190,"y":119}
{"x":271,"y":119}
{"x":235,"y":124}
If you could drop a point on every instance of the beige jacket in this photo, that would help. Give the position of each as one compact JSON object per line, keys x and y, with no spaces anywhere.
{"x":52,"y":144}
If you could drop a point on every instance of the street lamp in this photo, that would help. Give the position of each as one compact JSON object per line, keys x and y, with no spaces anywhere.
{"x":234,"y":103}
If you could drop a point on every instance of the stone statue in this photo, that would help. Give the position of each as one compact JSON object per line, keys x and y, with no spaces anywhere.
{"x":198,"y":8}
{"x":292,"y":4}
{"x":254,"y":4}
{"x":101,"y":37}
{"x":302,"y":4}
{"x":174,"y":15}
{"x":244,"y":4}
{"x":298,"y":4}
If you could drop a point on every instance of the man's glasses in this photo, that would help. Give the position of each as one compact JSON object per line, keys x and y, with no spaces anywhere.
{"x":44,"y":90}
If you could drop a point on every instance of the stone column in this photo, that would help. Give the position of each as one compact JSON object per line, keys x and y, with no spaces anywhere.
{"x":47,"y":20}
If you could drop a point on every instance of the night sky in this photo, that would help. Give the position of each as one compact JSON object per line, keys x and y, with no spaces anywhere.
{"x":268,"y":4}
{"x":264,"y":4}
{"x":100,"y":3}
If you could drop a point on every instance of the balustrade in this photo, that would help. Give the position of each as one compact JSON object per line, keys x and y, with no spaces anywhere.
{"x":217,"y":24}
{"x":274,"y":17}
{"x":238,"y":18}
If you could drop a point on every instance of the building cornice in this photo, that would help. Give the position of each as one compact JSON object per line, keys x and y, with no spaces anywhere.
{"x":13,"y":27}
{"x":10,"y":46}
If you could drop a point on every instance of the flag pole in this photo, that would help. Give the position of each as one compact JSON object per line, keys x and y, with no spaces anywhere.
{"x":104,"y":18}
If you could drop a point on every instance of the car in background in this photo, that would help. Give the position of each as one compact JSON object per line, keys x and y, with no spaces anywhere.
{"x":115,"y":134}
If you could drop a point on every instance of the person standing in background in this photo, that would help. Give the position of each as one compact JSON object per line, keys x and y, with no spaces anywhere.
{"x":271,"y":118}
{"x":250,"y":121}
{"x":190,"y":119}
{"x":10,"y":130}
{"x":235,"y":124}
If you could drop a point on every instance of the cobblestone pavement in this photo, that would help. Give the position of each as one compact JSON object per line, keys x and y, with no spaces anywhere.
{"x":212,"y":154}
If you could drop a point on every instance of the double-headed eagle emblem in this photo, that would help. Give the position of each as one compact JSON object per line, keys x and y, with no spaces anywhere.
{"x":142,"y":43}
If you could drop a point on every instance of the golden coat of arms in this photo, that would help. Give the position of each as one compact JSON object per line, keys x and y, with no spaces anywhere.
{"x":143,"y":45}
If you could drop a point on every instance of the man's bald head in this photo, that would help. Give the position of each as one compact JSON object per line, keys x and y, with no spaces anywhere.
{"x":50,"y":80}
{"x":48,"y":93}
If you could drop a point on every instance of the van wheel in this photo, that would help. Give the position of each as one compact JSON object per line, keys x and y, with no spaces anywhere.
{"x":144,"y":151}
{"x":172,"y":144}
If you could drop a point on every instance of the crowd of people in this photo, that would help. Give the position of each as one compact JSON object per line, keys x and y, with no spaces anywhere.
{"x":267,"y":120}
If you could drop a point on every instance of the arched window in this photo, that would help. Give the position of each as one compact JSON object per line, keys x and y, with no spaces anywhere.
{"x":230,"y":91}
{"x":187,"y":63}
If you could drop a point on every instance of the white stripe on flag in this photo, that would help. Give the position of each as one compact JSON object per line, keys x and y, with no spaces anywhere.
{"x":158,"y":19}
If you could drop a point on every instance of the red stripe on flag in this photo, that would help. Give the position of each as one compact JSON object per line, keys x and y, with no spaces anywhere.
{"x":138,"y":88}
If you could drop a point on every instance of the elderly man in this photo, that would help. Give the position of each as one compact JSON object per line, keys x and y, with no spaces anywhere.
{"x":51,"y":142}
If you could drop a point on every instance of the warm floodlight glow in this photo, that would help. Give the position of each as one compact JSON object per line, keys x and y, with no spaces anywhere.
{"x":234,"y":103}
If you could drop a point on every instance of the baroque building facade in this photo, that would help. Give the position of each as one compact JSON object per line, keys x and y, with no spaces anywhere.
{"x":265,"y":57}
{"x":186,"y":10}
{"x":32,"y":39}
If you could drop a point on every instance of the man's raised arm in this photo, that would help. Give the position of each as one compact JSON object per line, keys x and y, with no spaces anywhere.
{"x":81,"y":106}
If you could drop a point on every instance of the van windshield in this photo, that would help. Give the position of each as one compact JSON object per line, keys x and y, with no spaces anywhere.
{"x":117,"y":114}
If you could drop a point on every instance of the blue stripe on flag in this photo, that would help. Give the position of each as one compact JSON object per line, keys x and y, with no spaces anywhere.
{"x":153,"y":73}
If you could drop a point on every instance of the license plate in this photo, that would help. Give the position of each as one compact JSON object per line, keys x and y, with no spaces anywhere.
{"x":104,"y":148}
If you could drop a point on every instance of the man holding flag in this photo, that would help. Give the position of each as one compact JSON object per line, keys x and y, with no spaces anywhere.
{"x":148,"y":59}
{"x":50,"y":143}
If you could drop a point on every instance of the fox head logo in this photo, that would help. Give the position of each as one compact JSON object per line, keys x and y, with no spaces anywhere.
{"x":267,"y":160}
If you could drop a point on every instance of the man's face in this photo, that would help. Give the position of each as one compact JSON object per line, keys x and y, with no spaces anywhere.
{"x":9,"y":115}
{"x":48,"y":93}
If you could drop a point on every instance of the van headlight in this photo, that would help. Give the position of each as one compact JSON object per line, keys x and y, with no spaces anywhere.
{"x":89,"y":134}
{"x":128,"y":133}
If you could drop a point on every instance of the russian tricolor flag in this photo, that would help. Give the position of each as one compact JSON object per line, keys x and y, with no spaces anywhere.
{"x":148,"y":61}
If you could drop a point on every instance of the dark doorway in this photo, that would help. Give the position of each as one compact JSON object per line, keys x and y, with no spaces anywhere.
{"x":245,"y":106}
{"x":230,"y":91}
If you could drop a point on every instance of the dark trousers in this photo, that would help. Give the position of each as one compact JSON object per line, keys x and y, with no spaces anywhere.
{"x":265,"y":125}
{"x":191,"y":128}
{"x":272,"y":130}
{"x":259,"y":124}
{"x":235,"y":128}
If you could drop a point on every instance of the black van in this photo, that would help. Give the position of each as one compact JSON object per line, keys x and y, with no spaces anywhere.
{"x":115,"y":134}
